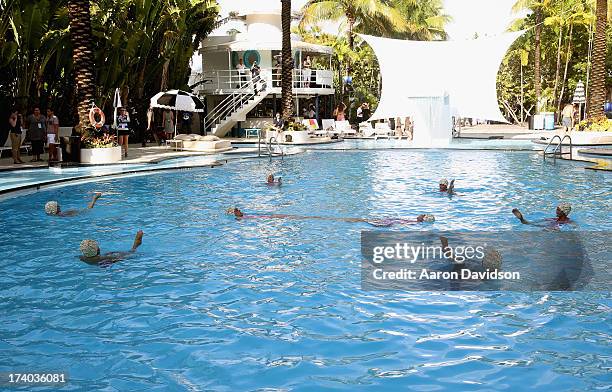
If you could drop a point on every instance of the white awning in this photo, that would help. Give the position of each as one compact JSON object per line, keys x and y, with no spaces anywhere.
{"x":244,"y":45}
{"x":465,"y":71}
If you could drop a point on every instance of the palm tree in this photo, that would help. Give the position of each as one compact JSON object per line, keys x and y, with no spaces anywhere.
{"x":538,"y":7}
{"x":425,"y":20}
{"x":286,"y":62}
{"x":359,"y":15}
{"x":597,"y":93}
{"x":82,"y":55}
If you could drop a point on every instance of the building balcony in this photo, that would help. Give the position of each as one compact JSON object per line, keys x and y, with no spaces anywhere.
{"x":222,"y":82}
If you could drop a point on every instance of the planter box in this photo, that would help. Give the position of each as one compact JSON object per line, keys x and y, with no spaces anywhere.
{"x":295,"y":137}
{"x":588,"y":137}
{"x":99,"y":156}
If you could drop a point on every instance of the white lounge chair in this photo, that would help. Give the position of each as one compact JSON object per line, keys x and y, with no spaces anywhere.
{"x":8,"y":147}
{"x":327,"y":128}
{"x":344,"y":128}
{"x":199,"y":143}
{"x":382,"y":130}
{"x":366,"y":129}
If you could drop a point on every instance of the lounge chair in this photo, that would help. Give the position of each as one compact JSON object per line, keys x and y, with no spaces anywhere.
{"x":366,"y":129}
{"x":199,"y":143}
{"x":344,"y":128}
{"x":382,"y":130}
{"x":327,"y":128}
{"x":8,"y":147}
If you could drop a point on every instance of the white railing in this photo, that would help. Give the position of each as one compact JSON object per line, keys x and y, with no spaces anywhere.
{"x":232,"y":79}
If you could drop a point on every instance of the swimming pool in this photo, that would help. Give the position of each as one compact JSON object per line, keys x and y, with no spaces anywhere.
{"x":211,"y":303}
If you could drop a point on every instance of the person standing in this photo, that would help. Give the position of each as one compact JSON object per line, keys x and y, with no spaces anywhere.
{"x":241,"y":73}
{"x":306,"y":72}
{"x":52,"y":134}
{"x":15,"y":135}
{"x":52,"y":126}
{"x":186,"y":124}
{"x":123,"y":130}
{"x":255,"y":78}
{"x":168,"y":121}
{"x":37,"y":132}
{"x":567,"y":116}
{"x":339,"y":112}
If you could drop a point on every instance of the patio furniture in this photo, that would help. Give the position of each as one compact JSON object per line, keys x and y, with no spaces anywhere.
{"x":199,"y":143}
{"x":251,"y":132}
{"x":382,"y":130}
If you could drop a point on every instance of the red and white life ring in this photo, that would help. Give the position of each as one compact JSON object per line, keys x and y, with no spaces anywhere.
{"x":92,"y":117}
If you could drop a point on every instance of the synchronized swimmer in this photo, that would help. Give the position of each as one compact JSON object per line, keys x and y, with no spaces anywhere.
{"x":53,"y":207}
{"x":90,"y":251}
{"x":562,"y":216}
{"x":423,"y":218}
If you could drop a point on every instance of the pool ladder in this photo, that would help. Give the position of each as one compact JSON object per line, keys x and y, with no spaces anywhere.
{"x":269,"y":146}
{"x":557,"y":151}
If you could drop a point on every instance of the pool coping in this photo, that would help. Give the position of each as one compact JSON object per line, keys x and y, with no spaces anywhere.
{"x":144,"y":170}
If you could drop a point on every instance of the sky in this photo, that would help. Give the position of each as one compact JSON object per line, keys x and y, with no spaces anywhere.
{"x":485,"y":17}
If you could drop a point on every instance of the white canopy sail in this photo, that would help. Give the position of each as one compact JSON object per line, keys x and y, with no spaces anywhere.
{"x":464,"y":72}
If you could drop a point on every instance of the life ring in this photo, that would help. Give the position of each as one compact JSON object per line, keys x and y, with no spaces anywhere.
{"x":92,"y":117}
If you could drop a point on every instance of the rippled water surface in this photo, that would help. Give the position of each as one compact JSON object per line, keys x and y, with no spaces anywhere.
{"x":211,"y":303}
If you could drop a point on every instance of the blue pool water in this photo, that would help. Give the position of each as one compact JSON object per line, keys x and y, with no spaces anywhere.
{"x":211,"y":303}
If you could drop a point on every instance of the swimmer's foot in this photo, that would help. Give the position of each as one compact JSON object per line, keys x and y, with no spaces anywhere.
{"x":519,"y":215}
{"x":137,"y":240}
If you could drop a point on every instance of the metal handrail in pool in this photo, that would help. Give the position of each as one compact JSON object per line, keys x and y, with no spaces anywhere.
{"x":558,"y":150}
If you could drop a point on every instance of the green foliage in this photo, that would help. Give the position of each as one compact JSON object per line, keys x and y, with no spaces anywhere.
{"x":134,"y":42}
{"x":569,"y":20}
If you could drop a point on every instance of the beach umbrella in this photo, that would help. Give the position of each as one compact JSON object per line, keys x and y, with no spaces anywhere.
{"x":116,"y":104}
{"x":177,"y":100}
{"x":579,"y":97}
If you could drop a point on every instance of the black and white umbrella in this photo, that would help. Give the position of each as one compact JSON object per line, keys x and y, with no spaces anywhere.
{"x":177,"y":100}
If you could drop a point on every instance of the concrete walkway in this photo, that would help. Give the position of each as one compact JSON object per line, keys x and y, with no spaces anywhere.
{"x":507,"y":131}
{"x":136,"y":155}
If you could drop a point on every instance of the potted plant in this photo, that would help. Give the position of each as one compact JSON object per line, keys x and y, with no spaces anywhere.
{"x":597,"y":130}
{"x":295,"y":132}
{"x":99,"y":149}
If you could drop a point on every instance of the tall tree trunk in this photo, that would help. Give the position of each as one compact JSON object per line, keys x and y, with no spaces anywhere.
{"x":82,"y":58}
{"x":597,"y":94}
{"x":286,"y":62}
{"x":537,"y":63}
{"x":558,"y":68}
{"x":351,"y":26}
{"x":164,"y":78}
{"x":567,"y":60}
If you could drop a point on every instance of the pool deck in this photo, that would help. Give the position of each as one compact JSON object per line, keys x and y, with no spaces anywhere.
{"x":506,"y":131}
{"x":136,"y":155}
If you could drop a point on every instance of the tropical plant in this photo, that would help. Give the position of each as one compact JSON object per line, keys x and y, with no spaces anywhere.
{"x":286,"y":62}
{"x":425,"y":20}
{"x":359,"y":15}
{"x":597,"y":94}
{"x":538,"y":9}
{"x":596,"y":124}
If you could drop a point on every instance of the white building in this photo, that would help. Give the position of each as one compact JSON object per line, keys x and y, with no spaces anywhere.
{"x":234,"y":101}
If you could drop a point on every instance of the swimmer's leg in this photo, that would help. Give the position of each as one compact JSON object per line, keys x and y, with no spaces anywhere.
{"x":519,"y":215}
{"x":94,"y":199}
{"x":137,"y":241}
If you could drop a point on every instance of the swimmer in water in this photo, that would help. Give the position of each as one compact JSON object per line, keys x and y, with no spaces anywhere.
{"x":91,"y":252}
{"x":53,"y":207}
{"x":562,"y":212}
{"x":270,"y":180}
{"x":491,"y":261}
{"x":423,"y":218}
{"x":443,"y":185}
